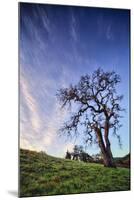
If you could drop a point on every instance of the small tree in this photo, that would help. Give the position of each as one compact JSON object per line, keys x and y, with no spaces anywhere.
{"x":76,"y":152}
{"x":68,"y":155}
{"x":78,"y":149}
{"x":97,"y":110}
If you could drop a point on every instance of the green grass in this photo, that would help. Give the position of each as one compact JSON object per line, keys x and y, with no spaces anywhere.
{"x":41,"y":174}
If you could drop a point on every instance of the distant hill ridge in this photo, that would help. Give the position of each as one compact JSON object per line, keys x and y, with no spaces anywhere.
{"x":123,"y":161}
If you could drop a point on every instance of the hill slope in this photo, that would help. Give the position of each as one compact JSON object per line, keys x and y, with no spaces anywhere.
{"x":41,"y":174}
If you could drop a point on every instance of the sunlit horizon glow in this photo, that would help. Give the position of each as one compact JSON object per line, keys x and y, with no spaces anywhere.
{"x":58,"y":44}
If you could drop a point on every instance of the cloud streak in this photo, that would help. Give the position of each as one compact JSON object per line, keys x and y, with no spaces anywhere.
{"x":38,"y":131}
{"x":31,"y":104}
{"x":109,"y":32}
{"x":105,"y":28}
{"x":73,"y":28}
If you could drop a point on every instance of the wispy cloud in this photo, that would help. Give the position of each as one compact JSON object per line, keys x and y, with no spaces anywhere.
{"x":42,"y":14}
{"x":109,"y":32}
{"x":38,"y":129}
{"x":74,"y":28}
{"x":31,"y":105}
{"x":105,"y":28}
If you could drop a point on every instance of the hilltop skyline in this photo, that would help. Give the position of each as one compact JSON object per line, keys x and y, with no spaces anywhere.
{"x":58,"y":44}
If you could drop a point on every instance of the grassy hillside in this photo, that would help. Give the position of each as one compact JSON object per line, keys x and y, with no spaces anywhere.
{"x":41,"y":174}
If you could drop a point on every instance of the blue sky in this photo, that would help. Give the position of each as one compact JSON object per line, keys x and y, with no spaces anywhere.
{"x":58,"y":44}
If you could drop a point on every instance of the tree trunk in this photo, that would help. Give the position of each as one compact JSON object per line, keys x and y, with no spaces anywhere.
{"x":108,"y":145}
{"x":108,"y":160}
{"x":105,"y":150}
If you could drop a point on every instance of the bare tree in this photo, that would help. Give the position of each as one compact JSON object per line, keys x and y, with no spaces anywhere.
{"x":97,"y":110}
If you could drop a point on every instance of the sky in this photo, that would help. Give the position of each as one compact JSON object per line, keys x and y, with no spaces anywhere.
{"x":57,"y":45}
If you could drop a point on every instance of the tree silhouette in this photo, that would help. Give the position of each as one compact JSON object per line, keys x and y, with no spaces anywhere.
{"x":76,"y":152}
{"x":68,"y":155}
{"x":96,"y":107}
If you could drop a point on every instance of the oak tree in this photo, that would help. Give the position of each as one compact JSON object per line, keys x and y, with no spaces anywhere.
{"x":96,"y":107}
